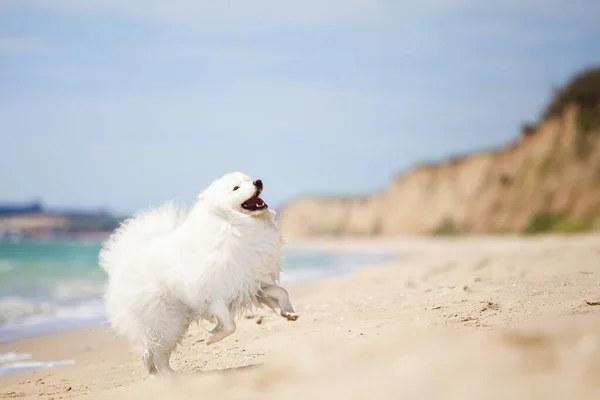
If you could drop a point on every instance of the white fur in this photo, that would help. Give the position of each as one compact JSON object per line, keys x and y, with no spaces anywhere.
{"x":168,"y":268}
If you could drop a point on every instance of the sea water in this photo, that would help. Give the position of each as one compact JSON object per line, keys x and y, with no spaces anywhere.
{"x":48,"y":287}
{"x":55,"y":286}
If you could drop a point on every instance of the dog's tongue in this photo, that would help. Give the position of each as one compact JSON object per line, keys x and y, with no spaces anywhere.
{"x":256,"y":202}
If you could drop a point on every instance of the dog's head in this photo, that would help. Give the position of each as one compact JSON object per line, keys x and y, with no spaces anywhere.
{"x":236,"y":191}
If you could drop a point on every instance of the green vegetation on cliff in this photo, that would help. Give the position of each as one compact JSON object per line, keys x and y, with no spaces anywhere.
{"x":582,"y":91}
{"x":547,"y":222}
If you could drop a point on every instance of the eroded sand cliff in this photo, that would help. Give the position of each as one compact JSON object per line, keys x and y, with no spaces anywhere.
{"x":551,"y":172}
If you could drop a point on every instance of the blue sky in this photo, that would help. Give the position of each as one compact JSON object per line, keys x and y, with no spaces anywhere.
{"x":125,"y":104}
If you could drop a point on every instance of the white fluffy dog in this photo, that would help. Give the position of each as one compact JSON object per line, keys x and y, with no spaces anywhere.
{"x":168,"y":268}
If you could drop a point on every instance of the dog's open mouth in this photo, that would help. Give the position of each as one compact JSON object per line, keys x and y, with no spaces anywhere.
{"x":254,"y":203}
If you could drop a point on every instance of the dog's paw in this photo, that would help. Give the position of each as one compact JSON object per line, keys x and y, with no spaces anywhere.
{"x":210,"y":339}
{"x":289,"y":316}
{"x":213,"y":338}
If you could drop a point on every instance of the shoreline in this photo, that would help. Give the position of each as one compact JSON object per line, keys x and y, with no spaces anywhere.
{"x":352,"y":261}
{"x":426,"y":325}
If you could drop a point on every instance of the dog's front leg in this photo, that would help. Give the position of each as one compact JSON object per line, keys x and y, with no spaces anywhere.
{"x":275,"y":295}
{"x":225,"y":323}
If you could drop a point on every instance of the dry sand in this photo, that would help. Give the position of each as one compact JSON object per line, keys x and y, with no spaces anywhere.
{"x":456,"y":318}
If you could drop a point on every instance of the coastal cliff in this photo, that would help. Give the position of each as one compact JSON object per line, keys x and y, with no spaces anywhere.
{"x":547,"y":180}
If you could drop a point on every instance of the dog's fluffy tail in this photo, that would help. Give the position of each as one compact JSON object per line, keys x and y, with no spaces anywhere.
{"x":137,"y":232}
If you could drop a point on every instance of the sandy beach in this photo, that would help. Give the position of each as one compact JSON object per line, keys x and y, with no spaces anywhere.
{"x":450,"y":318}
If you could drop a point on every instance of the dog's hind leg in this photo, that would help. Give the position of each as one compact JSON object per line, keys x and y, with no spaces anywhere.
{"x":161,"y":361}
{"x":225,"y":323}
{"x":155,"y":358}
{"x":159,"y":342}
{"x":275,"y":293}
{"x":148,"y":360}
{"x":167,"y":345}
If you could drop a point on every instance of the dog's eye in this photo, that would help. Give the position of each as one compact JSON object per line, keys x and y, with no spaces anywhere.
{"x":235,"y":188}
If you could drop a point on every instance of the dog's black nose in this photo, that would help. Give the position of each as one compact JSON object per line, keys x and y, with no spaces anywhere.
{"x":258,"y":184}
